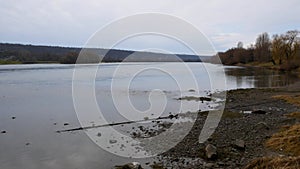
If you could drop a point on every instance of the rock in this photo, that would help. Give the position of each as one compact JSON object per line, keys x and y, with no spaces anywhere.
{"x":141,"y":128}
{"x":3,"y":132}
{"x":66,"y":124}
{"x":192,"y":90}
{"x":211,"y":151}
{"x":239,"y":144}
{"x":258,"y":112}
{"x":157,"y":166}
{"x":171,"y":116}
{"x":202,"y":99}
{"x":112,"y":141}
{"x":262,"y":126}
{"x":133,"y":165}
{"x":209,"y":165}
{"x":220,"y":163}
{"x":13,"y":117}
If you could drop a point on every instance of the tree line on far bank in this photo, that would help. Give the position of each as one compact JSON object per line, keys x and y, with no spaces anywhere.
{"x":282,"y":51}
{"x":18,"y":53}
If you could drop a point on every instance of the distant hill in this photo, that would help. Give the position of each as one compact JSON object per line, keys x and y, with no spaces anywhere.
{"x":43,"y":54}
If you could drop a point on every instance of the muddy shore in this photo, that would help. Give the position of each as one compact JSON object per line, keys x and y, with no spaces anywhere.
{"x":237,"y":127}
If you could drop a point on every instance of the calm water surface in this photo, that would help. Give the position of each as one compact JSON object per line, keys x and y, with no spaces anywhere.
{"x":36,"y":101}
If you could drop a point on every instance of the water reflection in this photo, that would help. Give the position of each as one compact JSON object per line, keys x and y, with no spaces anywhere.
{"x":259,"y":77}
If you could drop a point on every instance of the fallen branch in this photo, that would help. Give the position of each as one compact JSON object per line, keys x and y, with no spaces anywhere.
{"x":171,"y":116}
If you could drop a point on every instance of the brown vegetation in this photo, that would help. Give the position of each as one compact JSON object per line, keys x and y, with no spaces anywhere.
{"x":283,"y":51}
{"x":287,"y":141}
{"x":294,"y":115}
{"x":275,"y":163}
{"x":292,"y":99}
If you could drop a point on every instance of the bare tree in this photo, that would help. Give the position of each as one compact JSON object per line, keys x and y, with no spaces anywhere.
{"x":240,"y":45}
{"x":291,"y":44}
{"x":262,"y":48}
{"x":285,"y":46}
{"x":277,"y":49}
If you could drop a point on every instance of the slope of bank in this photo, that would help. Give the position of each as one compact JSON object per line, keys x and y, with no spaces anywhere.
{"x":240,"y":137}
{"x":270,"y":65}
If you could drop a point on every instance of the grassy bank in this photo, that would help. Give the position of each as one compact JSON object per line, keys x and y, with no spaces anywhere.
{"x":6,"y":62}
{"x":270,"y":65}
{"x":286,"y":142}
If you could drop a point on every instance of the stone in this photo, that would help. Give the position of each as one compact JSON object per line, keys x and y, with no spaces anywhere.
{"x":209,"y":165}
{"x":258,"y":112}
{"x":202,"y":99}
{"x":112,"y":141}
{"x":239,"y":144}
{"x":262,"y":126}
{"x":211,"y":151}
{"x":220,"y":163}
{"x":133,"y":165}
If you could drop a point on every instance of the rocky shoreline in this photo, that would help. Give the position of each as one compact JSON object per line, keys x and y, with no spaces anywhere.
{"x":240,"y":135}
{"x":250,"y":118}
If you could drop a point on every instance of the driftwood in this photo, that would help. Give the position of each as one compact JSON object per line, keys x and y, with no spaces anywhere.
{"x":171,"y":116}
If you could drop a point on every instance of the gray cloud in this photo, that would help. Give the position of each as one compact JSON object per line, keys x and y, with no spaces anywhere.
{"x":72,"y":22}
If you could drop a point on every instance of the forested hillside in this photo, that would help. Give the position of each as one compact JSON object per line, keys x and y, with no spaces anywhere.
{"x":18,"y":53}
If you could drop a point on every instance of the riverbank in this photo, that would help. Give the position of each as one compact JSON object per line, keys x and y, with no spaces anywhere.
{"x":9,"y":62}
{"x":269,"y":65}
{"x":241,"y":136}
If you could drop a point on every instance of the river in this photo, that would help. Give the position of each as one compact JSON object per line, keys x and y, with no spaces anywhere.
{"x":37,"y":100}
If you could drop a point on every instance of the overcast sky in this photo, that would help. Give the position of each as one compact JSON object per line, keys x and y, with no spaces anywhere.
{"x":72,"y":22}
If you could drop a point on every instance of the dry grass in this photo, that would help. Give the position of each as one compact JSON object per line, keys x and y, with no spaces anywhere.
{"x":268,"y":64}
{"x":294,"y":115}
{"x":275,"y":163}
{"x":287,"y":141}
{"x":294,"y":99}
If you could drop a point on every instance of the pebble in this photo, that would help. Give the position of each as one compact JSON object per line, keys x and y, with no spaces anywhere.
{"x":239,"y":144}
{"x":211,"y":151}
{"x":262,"y":126}
{"x":259,"y":112}
{"x":209,"y":165}
{"x":112,"y":141}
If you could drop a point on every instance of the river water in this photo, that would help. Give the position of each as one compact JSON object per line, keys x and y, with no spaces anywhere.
{"x":36,"y":101}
